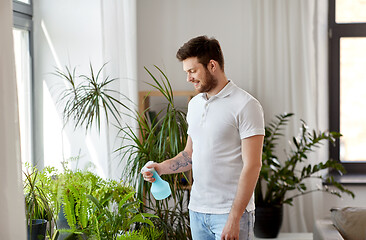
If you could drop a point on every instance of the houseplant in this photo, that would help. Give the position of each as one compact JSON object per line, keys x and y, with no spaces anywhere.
{"x":87,"y":98}
{"x":157,"y":139}
{"x":281,"y":181}
{"x":94,"y":208}
{"x":39,"y":210}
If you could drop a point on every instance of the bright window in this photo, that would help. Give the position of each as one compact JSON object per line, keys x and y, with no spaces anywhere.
{"x":352,"y":99}
{"x":347,"y":81}
{"x":23,"y":75}
{"x":350,"y":11}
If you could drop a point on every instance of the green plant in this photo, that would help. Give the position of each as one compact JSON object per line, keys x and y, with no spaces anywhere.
{"x":158,"y":139}
{"x":89,"y":204}
{"x":151,"y":233}
{"x":146,"y":233}
{"x":118,"y":220}
{"x":88,"y":97}
{"x":278,"y":178}
{"x":37,"y":203}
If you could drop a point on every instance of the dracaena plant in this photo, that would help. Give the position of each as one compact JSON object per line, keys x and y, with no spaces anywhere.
{"x":282,"y":181}
{"x":37,"y":198}
{"x":159,"y":138}
{"x":87,"y":98}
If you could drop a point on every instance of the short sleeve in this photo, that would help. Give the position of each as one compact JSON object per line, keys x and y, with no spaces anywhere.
{"x":188,"y":117}
{"x":251,"y":120}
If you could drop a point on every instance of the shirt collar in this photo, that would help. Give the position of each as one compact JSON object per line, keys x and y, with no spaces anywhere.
{"x":224,"y":92}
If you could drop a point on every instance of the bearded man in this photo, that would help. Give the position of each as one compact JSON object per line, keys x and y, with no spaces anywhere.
{"x":224,"y":147}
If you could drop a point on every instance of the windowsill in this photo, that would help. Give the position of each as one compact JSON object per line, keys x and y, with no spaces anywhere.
{"x":349,"y":179}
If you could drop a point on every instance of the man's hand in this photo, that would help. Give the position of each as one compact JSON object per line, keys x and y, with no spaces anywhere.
{"x":231,"y":230}
{"x":148,"y":175}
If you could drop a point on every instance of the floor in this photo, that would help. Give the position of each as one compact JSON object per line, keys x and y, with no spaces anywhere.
{"x":290,"y":236}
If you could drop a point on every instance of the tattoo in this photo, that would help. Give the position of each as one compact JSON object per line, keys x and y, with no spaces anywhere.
{"x":181,"y":161}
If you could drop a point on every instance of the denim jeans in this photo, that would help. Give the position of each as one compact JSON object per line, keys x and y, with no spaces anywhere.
{"x":209,"y":226}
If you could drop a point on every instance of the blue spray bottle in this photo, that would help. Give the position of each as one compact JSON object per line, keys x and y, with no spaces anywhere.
{"x":160,"y":189}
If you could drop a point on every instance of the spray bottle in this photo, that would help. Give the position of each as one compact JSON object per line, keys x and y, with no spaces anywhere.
{"x":160,"y":189}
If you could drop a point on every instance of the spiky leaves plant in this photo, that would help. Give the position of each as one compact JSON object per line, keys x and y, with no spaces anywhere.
{"x":37,"y":202}
{"x":87,"y":98}
{"x":159,"y":139}
{"x":277,"y":179}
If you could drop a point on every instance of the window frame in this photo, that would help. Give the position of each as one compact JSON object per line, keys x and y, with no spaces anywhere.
{"x":335,"y":32}
{"x":23,"y":19}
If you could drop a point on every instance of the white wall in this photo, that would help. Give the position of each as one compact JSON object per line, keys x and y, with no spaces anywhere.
{"x":164,"y":26}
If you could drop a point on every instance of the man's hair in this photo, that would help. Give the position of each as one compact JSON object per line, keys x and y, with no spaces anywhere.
{"x":204,"y":48}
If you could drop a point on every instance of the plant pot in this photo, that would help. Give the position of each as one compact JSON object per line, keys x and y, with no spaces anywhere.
{"x":38,"y":229}
{"x":268,"y":221}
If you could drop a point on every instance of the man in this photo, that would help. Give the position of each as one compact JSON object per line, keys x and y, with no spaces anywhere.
{"x":224,"y":147}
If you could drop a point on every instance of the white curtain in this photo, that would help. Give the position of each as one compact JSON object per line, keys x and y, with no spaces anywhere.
{"x":12,"y":211}
{"x":119,"y":50}
{"x":288,"y":73}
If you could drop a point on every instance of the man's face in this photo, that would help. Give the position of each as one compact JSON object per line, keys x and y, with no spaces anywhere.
{"x":199,"y":75}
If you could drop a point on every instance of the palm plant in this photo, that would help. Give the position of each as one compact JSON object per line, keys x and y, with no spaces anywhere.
{"x":87,"y":98}
{"x":37,"y":201}
{"x":159,"y":139}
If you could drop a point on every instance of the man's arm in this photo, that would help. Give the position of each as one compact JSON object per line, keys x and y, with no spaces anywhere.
{"x":180,"y":163}
{"x":252,"y":158}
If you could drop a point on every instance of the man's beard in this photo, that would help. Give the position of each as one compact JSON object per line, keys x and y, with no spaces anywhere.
{"x":209,"y":83}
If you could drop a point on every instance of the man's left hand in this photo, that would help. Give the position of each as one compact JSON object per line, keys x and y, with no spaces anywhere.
{"x":231,"y":231}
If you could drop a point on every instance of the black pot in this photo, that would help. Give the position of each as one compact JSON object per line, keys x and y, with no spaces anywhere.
{"x":38,"y":229}
{"x":268,"y":221}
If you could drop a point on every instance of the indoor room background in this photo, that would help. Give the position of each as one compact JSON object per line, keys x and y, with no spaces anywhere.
{"x":275,"y":50}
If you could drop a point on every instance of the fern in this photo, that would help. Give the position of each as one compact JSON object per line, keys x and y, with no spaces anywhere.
{"x":68,"y":201}
{"x":151,"y":233}
{"x":132,"y":235}
{"x":83,"y":214}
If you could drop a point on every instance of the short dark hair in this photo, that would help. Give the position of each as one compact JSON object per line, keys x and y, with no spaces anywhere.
{"x":204,"y":49}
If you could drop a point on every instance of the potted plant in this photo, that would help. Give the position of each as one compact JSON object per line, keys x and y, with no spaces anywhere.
{"x":39,"y":211}
{"x":278,"y":179}
{"x":158,"y":138}
{"x":87,"y":203}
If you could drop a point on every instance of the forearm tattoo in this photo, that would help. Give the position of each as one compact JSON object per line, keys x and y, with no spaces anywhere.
{"x":181,"y":161}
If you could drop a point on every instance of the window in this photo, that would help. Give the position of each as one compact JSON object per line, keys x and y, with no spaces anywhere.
{"x":22,"y":34}
{"x":347,"y":81}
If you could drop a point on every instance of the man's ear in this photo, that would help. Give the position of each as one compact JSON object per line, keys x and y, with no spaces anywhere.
{"x":212,"y":65}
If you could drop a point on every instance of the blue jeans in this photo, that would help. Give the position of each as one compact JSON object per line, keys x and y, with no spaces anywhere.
{"x":209,"y":226}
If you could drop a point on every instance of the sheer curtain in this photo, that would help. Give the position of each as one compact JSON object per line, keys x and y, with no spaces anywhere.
{"x":12,"y":212}
{"x":288,"y":73}
{"x":119,"y":49}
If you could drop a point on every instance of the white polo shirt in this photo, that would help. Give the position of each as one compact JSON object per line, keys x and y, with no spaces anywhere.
{"x":216,"y":127}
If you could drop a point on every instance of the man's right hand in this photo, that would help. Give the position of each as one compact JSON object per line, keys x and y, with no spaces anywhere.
{"x":148,"y":175}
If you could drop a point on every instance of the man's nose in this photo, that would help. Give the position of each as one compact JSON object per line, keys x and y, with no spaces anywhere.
{"x":189,"y":78}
